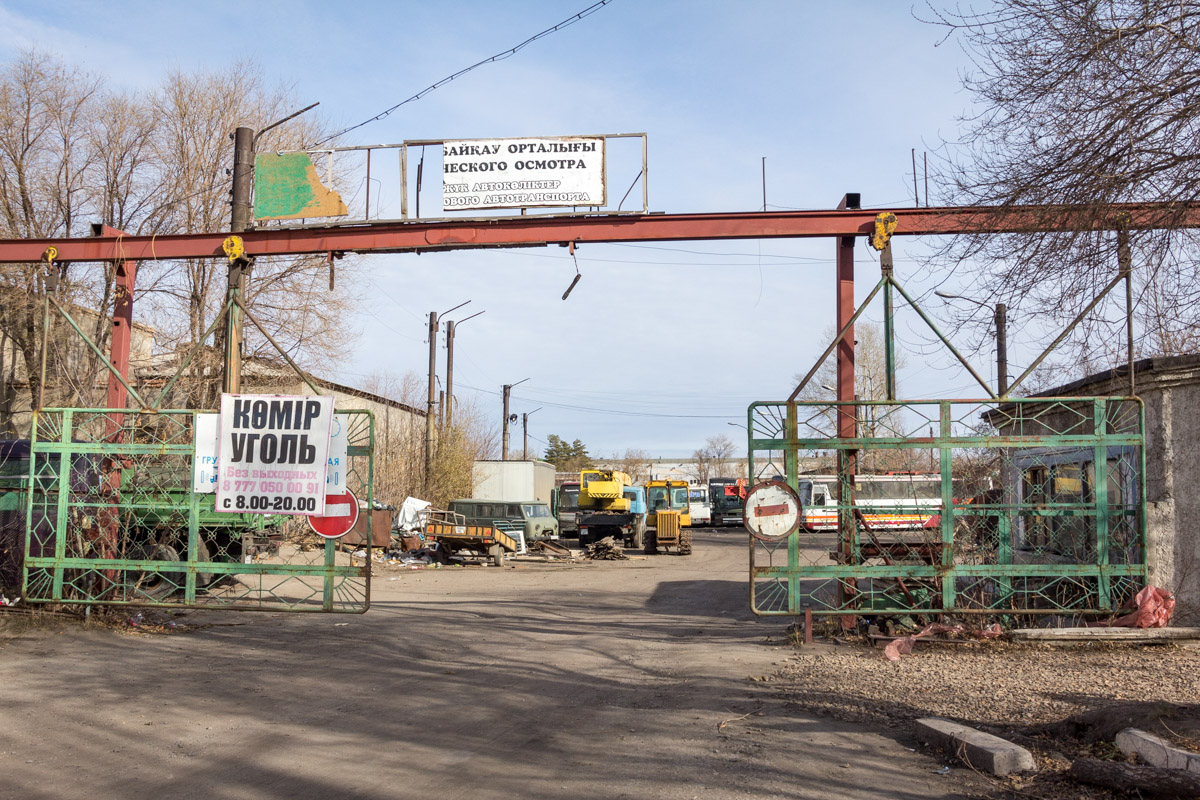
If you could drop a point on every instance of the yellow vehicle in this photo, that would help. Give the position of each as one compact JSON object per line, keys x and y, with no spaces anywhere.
{"x":668,"y":517}
{"x":603,"y":490}
{"x":607,"y":508}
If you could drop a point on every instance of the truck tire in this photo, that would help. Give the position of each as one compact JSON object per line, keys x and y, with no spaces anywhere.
{"x":651,"y":542}
{"x":685,"y":542}
{"x":496,"y":554}
{"x":157,"y":585}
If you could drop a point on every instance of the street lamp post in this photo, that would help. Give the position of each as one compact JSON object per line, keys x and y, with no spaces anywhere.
{"x":451,"y":326}
{"x":504,"y":435}
{"x":525,"y":432}
{"x":1001,"y":319}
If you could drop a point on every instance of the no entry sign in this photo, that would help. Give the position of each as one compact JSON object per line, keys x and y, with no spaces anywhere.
{"x":341,"y":512}
{"x":772,"y":512}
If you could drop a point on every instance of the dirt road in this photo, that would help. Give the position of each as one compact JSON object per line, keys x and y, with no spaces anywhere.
{"x":639,"y":679}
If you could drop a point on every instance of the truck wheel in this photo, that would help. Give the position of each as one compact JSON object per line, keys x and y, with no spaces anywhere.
{"x":157,"y":585}
{"x":651,"y":543}
{"x":496,"y":554}
{"x":685,"y":542}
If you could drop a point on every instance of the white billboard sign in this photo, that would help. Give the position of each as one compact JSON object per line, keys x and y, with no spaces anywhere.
{"x":523,"y":173}
{"x":204,"y":463}
{"x":205,"y":468}
{"x":339,"y":444}
{"x":272,"y":454}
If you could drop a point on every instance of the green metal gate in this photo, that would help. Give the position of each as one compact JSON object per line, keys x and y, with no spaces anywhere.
{"x":112,"y":520}
{"x":1040,"y":506}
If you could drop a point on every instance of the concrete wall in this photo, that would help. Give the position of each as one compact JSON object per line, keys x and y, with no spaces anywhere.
{"x":1170,"y":390}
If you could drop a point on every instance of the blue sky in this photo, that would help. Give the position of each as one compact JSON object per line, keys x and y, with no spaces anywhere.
{"x":659,"y":346}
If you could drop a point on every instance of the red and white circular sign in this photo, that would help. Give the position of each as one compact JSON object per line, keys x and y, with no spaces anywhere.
{"x":341,"y":512}
{"x":772,"y":512}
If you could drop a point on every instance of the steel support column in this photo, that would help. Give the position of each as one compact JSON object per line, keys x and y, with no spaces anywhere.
{"x":847,"y":411}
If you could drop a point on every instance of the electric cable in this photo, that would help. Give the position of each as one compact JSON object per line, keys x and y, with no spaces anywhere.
{"x":498,"y":57}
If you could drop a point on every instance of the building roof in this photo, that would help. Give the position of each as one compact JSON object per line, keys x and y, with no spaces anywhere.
{"x":1155,"y":370}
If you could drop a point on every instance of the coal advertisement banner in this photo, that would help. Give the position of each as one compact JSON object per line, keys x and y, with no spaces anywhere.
{"x":273,"y":453}
{"x":523,"y":173}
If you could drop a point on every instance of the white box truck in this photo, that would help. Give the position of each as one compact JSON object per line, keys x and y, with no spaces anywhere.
{"x":515,"y":481}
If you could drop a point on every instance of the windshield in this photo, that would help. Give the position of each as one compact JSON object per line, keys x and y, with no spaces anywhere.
{"x":568,"y":499}
{"x":698,"y":495}
{"x":536,"y":509}
{"x":656,"y":496}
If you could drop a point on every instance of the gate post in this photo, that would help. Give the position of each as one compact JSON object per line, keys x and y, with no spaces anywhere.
{"x":847,"y":415}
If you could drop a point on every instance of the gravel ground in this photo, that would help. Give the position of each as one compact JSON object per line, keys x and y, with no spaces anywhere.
{"x":1060,"y":701}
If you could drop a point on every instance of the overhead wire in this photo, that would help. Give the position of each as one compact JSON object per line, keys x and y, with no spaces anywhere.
{"x":491,"y":59}
{"x":611,"y":412}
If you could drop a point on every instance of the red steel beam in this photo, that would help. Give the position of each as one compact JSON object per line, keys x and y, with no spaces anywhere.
{"x":125,"y":276}
{"x":542,"y":230}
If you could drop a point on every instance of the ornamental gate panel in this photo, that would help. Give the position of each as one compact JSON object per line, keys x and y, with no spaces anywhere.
{"x":1038,"y":506}
{"x":112,"y":520}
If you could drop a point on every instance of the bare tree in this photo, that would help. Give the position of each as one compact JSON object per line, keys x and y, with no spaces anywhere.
{"x":400,"y":464}
{"x":288,"y":295}
{"x":870,"y":368}
{"x":636,"y":464}
{"x":73,"y":153}
{"x":713,"y":460}
{"x":1087,"y":104}
{"x":47,"y":160}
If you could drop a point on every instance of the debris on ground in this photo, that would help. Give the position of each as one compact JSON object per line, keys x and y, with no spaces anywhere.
{"x":550,"y":548}
{"x":1153,"y":609}
{"x":606,"y":549}
{"x":904,"y":644}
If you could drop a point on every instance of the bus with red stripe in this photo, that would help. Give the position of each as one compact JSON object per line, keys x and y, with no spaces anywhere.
{"x":899,"y":501}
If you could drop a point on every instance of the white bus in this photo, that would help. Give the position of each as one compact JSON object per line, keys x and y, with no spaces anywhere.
{"x":888,"y":502}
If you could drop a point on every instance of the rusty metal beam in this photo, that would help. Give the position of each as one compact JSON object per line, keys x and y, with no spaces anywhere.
{"x":542,"y":230}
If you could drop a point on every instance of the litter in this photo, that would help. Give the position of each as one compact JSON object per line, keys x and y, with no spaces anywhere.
{"x":904,"y":645}
{"x":1154,"y":608}
{"x":411,"y":517}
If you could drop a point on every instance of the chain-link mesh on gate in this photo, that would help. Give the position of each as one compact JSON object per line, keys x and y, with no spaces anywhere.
{"x":112,"y":520}
{"x":1018,"y":506}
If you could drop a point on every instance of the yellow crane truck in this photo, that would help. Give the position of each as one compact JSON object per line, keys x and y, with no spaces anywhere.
{"x":668,"y":517}
{"x":609,"y":506}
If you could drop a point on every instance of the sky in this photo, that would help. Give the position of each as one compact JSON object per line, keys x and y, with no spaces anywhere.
{"x":660,"y":345}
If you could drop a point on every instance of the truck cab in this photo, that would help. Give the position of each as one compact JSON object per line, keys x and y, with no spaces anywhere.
{"x":700,"y":511}
{"x":668,"y":516}
{"x":567,"y":508}
{"x":727,"y":501}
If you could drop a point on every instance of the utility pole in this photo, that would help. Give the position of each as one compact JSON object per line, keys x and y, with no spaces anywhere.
{"x":504,"y":429}
{"x":525,"y":431}
{"x":433,"y":330}
{"x":1002,"y":348}
{"x":448,"y":413}
{"x":431,"y":399}
{"x":243,"y":174}
{"x":450,"y":328}
{"x":241,"y":214}
{"x":1001,"y":319}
